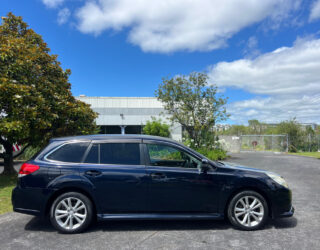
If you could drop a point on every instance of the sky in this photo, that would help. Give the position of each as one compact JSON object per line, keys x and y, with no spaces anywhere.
{"x":263,"y":55}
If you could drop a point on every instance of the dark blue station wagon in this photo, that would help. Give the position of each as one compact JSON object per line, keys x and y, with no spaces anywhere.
{"x":77,"y":179}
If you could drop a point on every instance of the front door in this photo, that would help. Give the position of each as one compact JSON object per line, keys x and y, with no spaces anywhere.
{"x":118,"y":175}
{"x":176,"y":183}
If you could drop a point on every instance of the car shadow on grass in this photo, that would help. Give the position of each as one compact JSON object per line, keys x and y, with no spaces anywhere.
{"x":38,"y":224}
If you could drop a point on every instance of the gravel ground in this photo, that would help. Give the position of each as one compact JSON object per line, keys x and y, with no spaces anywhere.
{"x":18,"y":231}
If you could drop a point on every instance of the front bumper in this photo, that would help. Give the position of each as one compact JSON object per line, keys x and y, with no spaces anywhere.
{"x":281,"y":200}
{"x":287,"y":214}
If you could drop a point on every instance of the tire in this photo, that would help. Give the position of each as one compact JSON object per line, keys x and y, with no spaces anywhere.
{"x":248,"y":210}
{"x":71,"y":212}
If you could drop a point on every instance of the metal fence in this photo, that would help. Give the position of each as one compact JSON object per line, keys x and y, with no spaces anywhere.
{"x":277,"y":143}
{"x":307,"y":143}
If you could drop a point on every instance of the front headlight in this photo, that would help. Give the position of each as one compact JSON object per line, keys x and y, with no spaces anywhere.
{"x":278,"y":179}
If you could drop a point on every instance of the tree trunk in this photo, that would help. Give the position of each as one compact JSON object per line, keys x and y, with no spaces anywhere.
{"x":8,"y":160}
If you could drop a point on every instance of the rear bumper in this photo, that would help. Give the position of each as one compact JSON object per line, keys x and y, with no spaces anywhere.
{"x":29,"y":200}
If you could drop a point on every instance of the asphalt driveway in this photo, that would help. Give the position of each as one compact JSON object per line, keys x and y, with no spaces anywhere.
{"x":302,"y":231}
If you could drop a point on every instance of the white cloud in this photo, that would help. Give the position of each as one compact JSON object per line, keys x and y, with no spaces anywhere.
{"x":289,"y":76}
{"x":252,"y":42}
{"x":315,"y":11}
{"x":277,"y":108}
{"x":63,"y":15}
{"x":167,"y":25}
{"x":251,"y":50}
{"x":52,"y":3}
{"x":284,"y":71}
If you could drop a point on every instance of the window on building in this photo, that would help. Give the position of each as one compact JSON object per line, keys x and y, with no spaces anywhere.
{"x":133,"y":129}
{"x":110,"y":130}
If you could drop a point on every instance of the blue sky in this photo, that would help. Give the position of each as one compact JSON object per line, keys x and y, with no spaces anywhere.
{"x":263,"y":55}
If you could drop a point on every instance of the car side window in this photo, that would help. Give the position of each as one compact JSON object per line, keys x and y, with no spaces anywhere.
{"x":120,"y":153}
{"x":168,"y":156}
{"x":93,"y":155}
{"x":70,"y":152}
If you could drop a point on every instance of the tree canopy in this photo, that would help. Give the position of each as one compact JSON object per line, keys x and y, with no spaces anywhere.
{"x":35,"y":94}
{"x":195,"y":104}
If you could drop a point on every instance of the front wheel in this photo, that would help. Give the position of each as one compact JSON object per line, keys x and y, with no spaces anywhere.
{"x":248,"y":210}
{"x":71,"y":212}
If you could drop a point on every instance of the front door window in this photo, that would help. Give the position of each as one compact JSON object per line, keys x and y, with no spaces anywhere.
{"x":176,"y":184}
{"x":168,"y":156}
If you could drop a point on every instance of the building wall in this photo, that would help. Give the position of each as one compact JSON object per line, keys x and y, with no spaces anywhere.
{"x":123,"y":111}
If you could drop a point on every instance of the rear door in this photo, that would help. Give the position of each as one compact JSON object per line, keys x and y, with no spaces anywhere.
{"x":117,"y":171}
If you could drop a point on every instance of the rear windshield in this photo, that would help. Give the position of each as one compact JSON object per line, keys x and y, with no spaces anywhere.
{"x":71,"y":152}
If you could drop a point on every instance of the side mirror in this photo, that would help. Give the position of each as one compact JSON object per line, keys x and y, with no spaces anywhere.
{"x":205,"y":166}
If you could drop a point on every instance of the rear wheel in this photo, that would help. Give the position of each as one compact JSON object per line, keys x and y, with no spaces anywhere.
{"x":248,"y":210}
{"x":71,"y":212}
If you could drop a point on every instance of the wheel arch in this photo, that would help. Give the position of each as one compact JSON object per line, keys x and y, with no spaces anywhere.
{"x":249,"y":188}
{"x":66,"y":190}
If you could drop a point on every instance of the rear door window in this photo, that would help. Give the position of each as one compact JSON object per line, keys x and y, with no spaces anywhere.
{"x":93,"y":155}
{"x":71,"y":152}
{"x":120,"y":153}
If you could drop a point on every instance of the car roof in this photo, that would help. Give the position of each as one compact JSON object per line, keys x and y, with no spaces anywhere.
{"x":112,"y":137}
{"x":123,"y":137}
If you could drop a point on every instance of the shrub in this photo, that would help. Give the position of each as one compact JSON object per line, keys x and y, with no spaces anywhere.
{"x":213,"y":154}
{"x":29,"y":153}
{"x":157,"y":127}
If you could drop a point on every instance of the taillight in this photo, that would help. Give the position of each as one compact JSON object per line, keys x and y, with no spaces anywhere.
{"x":27,"y":168}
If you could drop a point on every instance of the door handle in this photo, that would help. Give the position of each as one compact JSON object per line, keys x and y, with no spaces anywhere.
{"x":93,"y":173}
{"x":158,"y":176}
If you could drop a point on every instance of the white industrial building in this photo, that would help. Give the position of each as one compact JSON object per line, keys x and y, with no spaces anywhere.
{"x":128,"y":115}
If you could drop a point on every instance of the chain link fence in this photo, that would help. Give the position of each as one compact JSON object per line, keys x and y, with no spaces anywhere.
{"x":307,"y":143}
{"x":274,"y":143}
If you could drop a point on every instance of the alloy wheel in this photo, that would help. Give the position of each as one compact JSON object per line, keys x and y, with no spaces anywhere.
{"x":249,"y":211}
{"x":70,"y":213}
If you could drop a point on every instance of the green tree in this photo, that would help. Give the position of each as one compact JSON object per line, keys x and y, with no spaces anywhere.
{"x":309,"y":131}
{"x":35,"y":96}
{"x":273,"y":129}
{"x":294,"y":132}
{"x":193,"y":102}
{"x":255,"y":126}
{"x":156,"y":127}
{"x":236,"y":130}
{"x":317,"y":130}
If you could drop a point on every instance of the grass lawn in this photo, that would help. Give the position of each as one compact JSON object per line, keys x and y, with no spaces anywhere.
{"x":7,"y":183}
{"x":310,"y":154}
